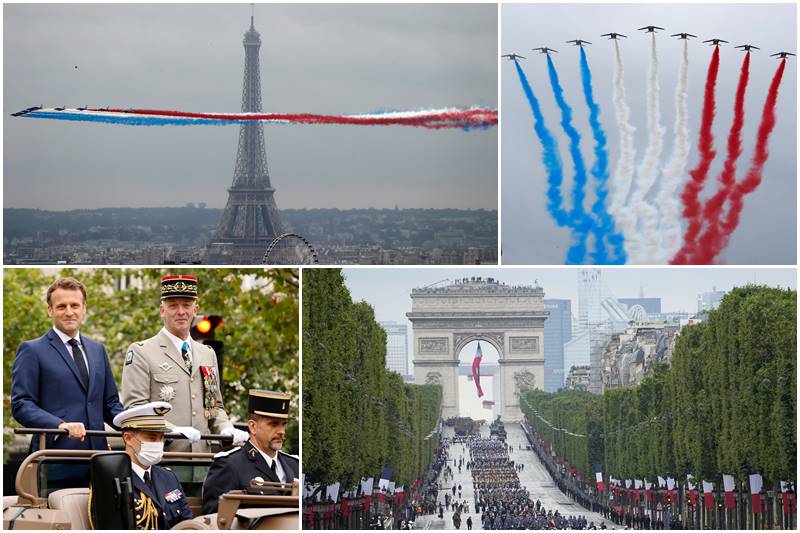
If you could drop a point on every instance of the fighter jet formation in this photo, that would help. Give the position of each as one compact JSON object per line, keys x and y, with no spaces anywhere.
{"x":632,"y":227}
{"x":647,"y":29}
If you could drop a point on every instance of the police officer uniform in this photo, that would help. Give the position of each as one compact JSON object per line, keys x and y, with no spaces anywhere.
{"x":234,"y":469}
{"x":161,"y":504}
{"x":156,"y":370}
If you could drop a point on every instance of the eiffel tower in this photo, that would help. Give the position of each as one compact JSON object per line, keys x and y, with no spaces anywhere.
{"x":250,"y":221}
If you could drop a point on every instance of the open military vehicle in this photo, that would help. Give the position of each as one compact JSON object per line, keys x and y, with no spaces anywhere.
{"x":110,"y":504}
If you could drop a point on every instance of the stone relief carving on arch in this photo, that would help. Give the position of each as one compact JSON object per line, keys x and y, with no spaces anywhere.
{"x":433,"y":378}
{"x":524,"y":380}
{"x":495,"y":338}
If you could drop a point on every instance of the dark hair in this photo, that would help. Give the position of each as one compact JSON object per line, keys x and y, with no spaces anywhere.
{"x":68,"y":284}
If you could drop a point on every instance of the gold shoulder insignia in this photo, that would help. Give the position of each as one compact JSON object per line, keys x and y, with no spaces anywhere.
{"x":146,"y":513}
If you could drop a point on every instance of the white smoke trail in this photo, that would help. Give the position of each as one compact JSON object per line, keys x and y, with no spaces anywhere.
{"x":667,"y":199}
{"x":623,"y":174}
{"x":644,"y":242}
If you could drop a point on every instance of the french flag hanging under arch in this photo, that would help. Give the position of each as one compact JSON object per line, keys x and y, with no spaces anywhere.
{"x":476,"y":370}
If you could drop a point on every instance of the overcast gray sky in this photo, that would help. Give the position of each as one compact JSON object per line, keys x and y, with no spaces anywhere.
{"x":388,"y":289}
{"x":332,"y":59}
{"x":767,"y":231}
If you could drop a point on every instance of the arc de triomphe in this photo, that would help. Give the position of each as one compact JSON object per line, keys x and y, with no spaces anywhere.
{"x":510,"y":318}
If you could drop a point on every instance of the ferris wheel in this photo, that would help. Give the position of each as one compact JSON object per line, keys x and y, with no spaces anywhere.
{"x":290,"y":249}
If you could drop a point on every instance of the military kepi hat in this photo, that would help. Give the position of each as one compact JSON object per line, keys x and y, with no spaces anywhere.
{"x":268,"y":403}
{"x":178,"y":287}
{"x":147,"y":417}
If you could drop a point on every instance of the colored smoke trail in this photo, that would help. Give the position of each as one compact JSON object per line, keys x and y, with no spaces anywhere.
{"x":697,"y":176}
{"x":623,"y":174}
{"x":753,"y":178}
{"x":712,"y":212}
{"x":643,"y":247}
{"x":605,"y":226}
{"x":550,"y":156}
{"x":475,"y":117}
{"x":581,"y":222}
{"x":667,"y":197}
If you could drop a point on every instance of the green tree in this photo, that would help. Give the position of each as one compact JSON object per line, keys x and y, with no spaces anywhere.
{"x":357,"y":416}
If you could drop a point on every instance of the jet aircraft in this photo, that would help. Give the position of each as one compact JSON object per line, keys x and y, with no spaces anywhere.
{"x":650,"y":29}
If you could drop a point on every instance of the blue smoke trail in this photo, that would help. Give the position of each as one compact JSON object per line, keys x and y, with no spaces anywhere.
{"x":550,"y":157}
{"x":131,"y":120}
{"x":551,"y":160}
{"x":580,"y":219}
{"x":605,"y":229}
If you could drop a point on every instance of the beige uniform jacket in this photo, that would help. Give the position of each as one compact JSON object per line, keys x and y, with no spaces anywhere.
{"x":154,"y":371}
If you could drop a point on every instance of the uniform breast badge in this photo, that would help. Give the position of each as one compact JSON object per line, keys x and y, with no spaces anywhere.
{"x":173,"y":495}
{"x":210,"y":388}
{"x":167,"y":393}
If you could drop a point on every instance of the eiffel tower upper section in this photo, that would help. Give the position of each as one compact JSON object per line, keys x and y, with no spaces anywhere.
{"x":250,"y":220}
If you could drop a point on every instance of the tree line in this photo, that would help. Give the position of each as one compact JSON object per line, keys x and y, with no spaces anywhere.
{"x":726,"y":404}
{"x":358,"y":417}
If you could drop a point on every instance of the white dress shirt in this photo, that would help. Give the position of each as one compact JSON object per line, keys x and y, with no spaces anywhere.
{"x":66,"y":338}
{"x":278,"y":468}
{"x":178,"y":342}
{"x":139,"y":471}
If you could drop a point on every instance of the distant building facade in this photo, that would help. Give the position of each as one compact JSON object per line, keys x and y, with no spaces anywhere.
{"x":396,"y":347}
{"x":557,"y":332}
{"x":578,"y":378}
{"x":708,"y":301}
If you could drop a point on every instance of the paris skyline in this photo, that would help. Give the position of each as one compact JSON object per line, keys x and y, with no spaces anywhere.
{"x":190,"y":57}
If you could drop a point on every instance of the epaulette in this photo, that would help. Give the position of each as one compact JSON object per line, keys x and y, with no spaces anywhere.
{"x":227,"y":453}
{"x":290,"y":455}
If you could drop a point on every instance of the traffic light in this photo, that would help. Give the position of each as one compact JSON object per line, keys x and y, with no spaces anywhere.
{"x":203,"y":331}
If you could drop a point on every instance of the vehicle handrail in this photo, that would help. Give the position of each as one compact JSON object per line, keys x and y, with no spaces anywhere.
{"x":24,"y":497}
{"x":101,"y":433}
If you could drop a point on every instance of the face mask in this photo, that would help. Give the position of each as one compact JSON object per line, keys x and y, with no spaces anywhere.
{"x":150,"y":453}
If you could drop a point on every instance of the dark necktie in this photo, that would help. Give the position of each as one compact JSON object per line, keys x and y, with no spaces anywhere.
{"x":78,"y":357}
{"x":149,"y":483}
{"x":272,"y":468}
{"x":186,"y":359}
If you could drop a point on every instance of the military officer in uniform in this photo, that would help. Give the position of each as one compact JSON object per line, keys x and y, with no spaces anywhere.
{"x":158,"y":498}
{"x":261,"y":457}
{"x":172,"y":367}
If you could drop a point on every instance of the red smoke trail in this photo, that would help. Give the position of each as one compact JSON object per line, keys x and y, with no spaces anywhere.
{"x":455,"y":118}
{"x":753,"y":178}
{"x":691,"y":192}
{"x":712,"y":212}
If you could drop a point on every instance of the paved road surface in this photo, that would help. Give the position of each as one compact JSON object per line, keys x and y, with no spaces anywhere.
{"x":535,"y":478}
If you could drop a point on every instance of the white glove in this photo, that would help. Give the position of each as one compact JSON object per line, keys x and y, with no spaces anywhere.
{"x":239,"y":436}
{"x":189,"y":432}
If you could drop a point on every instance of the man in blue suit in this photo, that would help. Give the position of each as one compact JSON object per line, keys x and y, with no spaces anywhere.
{"x":63,"y":380}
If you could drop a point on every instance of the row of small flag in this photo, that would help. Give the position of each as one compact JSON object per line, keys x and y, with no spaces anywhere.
{"x":756,"y":483}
